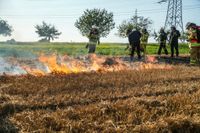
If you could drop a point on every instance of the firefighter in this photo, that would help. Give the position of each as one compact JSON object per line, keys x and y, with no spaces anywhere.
{"x":144,"y":41}
{"x":134,"y":42}
{"x":193,"y":43}
{"x":93,"y":39}
{"x":192,"y":33}
{"x":162,"y":40}
{"x":174,"y":35}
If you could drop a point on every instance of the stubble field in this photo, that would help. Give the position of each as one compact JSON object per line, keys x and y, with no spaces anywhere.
{"x":127,"y":101}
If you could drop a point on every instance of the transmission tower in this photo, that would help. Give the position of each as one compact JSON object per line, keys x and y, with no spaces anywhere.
{"x":174,"y":15}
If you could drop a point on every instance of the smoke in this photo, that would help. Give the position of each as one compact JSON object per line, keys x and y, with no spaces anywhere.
{"x":10,"y":69}
{"x":12,"y":60}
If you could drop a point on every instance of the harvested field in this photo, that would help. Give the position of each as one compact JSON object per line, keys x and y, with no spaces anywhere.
{"x":126,"y":101}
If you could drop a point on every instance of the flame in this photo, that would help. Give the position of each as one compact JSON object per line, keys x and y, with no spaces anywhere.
{"x":58,"y":65}
{"x":95,"y":61}
{"x":33,"y":71}
{"x":151,"y":59}
{"x":55,"y":64}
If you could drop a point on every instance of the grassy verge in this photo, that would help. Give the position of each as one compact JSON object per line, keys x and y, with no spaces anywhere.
{"x":24,"y":49}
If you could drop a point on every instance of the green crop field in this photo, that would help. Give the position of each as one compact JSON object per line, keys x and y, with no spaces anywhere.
{"x":117,"y":49}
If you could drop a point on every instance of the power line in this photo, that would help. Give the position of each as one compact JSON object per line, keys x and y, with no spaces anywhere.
{"x":149,"y":11}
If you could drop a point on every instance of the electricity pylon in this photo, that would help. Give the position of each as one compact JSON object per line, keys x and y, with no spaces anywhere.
{"x":174,"y":15}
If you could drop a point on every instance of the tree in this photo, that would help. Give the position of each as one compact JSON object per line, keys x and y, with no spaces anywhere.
{"x":100,"y":18}
{"x":5,"y":28}
{"x":135,"y":22}
{"x":125,"y":25}
{"x":47,"y":31}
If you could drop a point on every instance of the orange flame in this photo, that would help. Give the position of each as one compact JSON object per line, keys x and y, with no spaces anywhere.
{"x":66,"y":65}
{"x":53,"y":65}
{"x":34,"y":72}
{"x":151,"y":59}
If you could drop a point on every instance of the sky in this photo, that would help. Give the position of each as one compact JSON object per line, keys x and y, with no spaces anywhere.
{"x":23,"y":15}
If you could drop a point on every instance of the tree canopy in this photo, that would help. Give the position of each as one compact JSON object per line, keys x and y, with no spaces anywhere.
{"x":98,"y":17}
{"x":47,"y":31}
{"x":135,"y":22}
{"x":5,"y":28}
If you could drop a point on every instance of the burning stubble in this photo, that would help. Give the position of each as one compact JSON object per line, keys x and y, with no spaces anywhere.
{"x":57,"y":64}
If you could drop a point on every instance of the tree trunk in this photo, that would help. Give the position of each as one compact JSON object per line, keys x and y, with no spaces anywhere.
{"x":49,"y":39}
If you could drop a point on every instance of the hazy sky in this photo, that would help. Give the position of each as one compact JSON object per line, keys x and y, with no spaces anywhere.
{"x":23,"y":15}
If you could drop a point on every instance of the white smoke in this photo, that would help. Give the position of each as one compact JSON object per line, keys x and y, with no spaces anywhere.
{"x":10,"y":69}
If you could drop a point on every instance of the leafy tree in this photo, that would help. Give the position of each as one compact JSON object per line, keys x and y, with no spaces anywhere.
{"x":125,"y":25}
{"x":47,"y":31}
{"x":100,"y":18}
{"x":5,"y":28}
{"x":135,"y":22}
